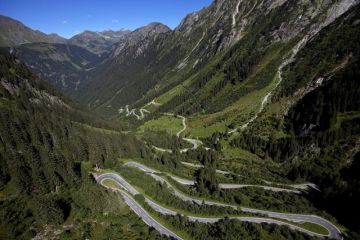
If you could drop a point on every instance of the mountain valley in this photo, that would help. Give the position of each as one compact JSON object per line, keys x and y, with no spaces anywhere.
{"x":243,"y":122}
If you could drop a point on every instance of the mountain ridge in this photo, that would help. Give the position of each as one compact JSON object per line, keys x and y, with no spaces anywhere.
{"x":265,"y":91}
{"x":65,"y":66}
{"x":189,"y":48}
{"x":14,"y":32}
{"x":161,"y":60}
{"x":97,"y":42}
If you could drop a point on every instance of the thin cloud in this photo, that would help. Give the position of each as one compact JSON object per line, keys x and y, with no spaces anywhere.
{"x":64,"y":21}
{"x":115,"y":21}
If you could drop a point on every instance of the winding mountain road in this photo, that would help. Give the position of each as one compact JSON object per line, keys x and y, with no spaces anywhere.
{"x":301,"y":186}
{"x":221,"y":185}
{"x":136,"y":207}
{"x":195,"y":142}
{"x":142,"y":112}
{"x":153,"y":103}
{"x":184,"y":126}
{"x":235,"y":186}
{"x":299,"y":218}
{"x":334,"y":232}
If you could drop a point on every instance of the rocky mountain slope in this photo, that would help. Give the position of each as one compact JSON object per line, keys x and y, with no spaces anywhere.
{"x":66,"y":67}
{"x":97,"y":42}
{"x":312,"y":122}
{"x":74,"y":64}
{"x":225,"y":49}
{"x":129,"y":66}
{"x":14,"y":33}
{"x":276,"y":79}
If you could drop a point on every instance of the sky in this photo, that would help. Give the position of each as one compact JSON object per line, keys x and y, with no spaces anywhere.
{"x":70,"y":17}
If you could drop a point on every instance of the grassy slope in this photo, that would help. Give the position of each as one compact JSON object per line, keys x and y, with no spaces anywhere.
{"x":170,"y":124}
{"x":205,"y":124}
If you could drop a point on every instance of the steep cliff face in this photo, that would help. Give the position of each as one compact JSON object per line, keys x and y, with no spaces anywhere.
{"x":224,"y":23}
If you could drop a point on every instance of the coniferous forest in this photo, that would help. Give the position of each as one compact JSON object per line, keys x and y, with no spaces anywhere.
{"x":240,"y":122}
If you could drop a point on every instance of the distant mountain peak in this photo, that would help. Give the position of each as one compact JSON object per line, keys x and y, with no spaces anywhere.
{"x":98,"y":41}
{"x":13,"y":32}
{"x":154,"y":27}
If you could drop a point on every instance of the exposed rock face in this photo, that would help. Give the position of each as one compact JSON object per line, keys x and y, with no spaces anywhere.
{"x":148,"y":54}
{"x":132,"y":63}
{"x":101,"y":42}
{"x":16,"y":84}
{"x":141,"y":38}
{"x":224,"y":23}
{"x":188,"y":22}
{"x":98,"y":42}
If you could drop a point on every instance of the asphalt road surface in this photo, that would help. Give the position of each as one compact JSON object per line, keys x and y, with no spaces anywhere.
{"x":141,"y":212}
{"x":333,"y":231}
{"x":300,"y":186}
{"x":221,"y":185}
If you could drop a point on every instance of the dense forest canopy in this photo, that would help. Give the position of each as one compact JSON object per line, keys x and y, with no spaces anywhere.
{"x":246,"y":113}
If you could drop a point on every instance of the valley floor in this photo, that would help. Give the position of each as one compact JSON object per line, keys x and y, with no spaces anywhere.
{"x":180,"y":184}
